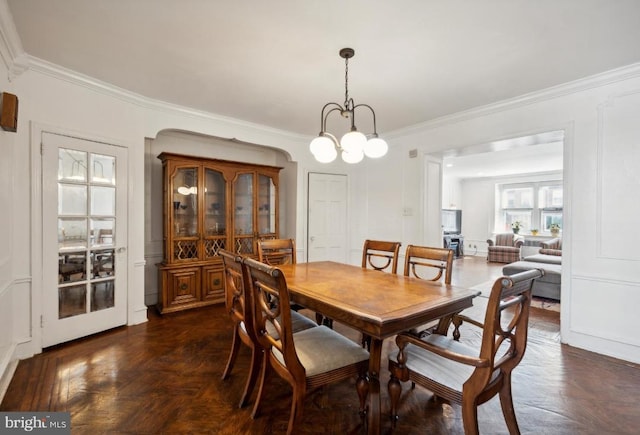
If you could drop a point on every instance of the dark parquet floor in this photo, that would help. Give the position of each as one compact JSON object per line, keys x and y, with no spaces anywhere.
{"x":163,"y":377}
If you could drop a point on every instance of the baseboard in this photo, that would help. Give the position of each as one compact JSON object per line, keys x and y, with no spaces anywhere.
{"x":8,"y":364}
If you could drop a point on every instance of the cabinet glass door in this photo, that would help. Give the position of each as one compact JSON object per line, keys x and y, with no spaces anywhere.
{"x":184,"y":224}
{"x":266,"y":206}
{"x":215,"y":215}
{"x":243,"y":214}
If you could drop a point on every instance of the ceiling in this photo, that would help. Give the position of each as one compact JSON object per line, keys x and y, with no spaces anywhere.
{"x":275,"y":63}
{"x":537,"y":153}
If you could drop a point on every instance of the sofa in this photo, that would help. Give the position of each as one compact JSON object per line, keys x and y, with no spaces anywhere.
{"x":549,"y":259}
{"x":505,"y":248}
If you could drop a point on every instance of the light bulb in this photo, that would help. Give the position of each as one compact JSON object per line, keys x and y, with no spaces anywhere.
{"x":376,"y":147}
{"x":319,"y":144}
{"x":352,"y":156}
{"x":326,"y":155}
{"x":354,"y":141}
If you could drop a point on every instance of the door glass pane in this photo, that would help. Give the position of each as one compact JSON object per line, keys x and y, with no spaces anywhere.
{"x":72,"y":199}
{"x":84,"y":232}
{"x":72,"y":233}
{"x":103,"y":169}
{"x":102,"y":296}
{"x":243,"y":214}
{"x":214,"y":201}
{"x":72,"y":300}
{"x":72,"y":266}
{"x":102,"y":264}
{"x":266,"y":205}
{"x":185,"y":202}
{"x":102,"y":232}
{"x":72,"y":165}
{"x":103,"y":200}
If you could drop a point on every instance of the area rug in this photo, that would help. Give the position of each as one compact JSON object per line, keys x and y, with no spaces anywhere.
{"x":542,"y":303}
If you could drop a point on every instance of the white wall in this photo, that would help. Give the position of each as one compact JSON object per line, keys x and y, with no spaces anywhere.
{"x":7,"y":281}
{"x":601,"y":285}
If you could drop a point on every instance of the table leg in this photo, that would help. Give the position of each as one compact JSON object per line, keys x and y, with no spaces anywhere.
{"x":374,"y":415}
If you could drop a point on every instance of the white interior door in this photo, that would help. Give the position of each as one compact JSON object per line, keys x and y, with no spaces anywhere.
{"x":327,"y":218}
{"x":84,"y":206}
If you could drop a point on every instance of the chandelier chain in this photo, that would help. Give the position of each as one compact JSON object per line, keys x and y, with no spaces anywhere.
{"x":346,"y":83}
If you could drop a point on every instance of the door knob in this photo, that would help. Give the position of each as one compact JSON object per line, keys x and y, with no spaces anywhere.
{"x":121,"y":250}
{"x":312,"y":238}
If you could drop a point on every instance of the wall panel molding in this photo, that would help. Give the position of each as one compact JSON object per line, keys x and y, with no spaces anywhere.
{"x":617,"y":177}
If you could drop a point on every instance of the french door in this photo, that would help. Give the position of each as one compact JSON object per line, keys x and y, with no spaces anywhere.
{"x":84,"y":206}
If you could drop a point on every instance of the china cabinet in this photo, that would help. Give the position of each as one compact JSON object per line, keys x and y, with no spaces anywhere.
{"x":210,"y":204}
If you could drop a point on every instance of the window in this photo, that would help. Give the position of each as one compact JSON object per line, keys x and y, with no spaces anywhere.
{"x":534,"y":205}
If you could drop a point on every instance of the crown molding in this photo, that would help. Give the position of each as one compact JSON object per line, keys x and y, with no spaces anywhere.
{"x":591,"y":82}
{"x":11,"y":51}
{"x":93,"y":84}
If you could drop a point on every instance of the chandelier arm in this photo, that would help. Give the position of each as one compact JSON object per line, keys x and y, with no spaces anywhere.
{"x":323,"y":116}
{"x":335,"y":140}
{"x":373,"y":113}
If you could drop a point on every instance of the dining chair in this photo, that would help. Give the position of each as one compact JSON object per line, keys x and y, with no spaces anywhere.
{"x":424,"y":262}
{"x":380,"y":255}
{"x":428,"y":263}
{"x":276,"y":252}
{"x":470,"y":373}
{"x":377,"y":255}
{"x":238,"y":305}
{"x":307,"y":359}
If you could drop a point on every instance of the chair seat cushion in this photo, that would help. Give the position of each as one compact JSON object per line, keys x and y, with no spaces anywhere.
{"x":446,"y":372}
{"x":321,"y":350}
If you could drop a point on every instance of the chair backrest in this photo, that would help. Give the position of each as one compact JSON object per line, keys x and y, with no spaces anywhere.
{"x":277,"y":251}
{"x":505,"y":239}
{"x":380,"y":255}
{"x":237,"y":301}
{"x":506,"y":323}
{"x":428,"y":263}
{"x":270,"y":296}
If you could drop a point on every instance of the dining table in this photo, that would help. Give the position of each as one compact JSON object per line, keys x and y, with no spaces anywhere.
{"x":376,"y":303}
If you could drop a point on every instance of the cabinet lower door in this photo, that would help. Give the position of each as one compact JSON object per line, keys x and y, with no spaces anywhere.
{"x":213,"y":285}
{"x":181,"y":288}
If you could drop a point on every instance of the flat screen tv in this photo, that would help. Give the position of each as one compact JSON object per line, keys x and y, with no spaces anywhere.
{"x":451,"y":221}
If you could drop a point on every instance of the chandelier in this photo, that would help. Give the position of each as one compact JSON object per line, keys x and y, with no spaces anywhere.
{"x":354,"y":145}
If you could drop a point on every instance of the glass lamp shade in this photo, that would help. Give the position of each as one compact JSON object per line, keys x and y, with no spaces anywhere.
{"x":375,"y":148}
{"x":323,"y":149}
{"x":354,"y":141}
{"x":352,"y":156}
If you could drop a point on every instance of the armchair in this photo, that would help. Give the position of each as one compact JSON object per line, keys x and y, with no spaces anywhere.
{"x":552,"y":247}
{"x":467,"y":372}
{"x":505,"y":248}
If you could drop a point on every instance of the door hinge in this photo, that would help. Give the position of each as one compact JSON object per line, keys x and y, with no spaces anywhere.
{"x":41,"y":321}
{"x":41,"y":148}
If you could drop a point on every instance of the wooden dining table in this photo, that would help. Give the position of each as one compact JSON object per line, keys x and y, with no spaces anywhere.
{"x":375,"y":303}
